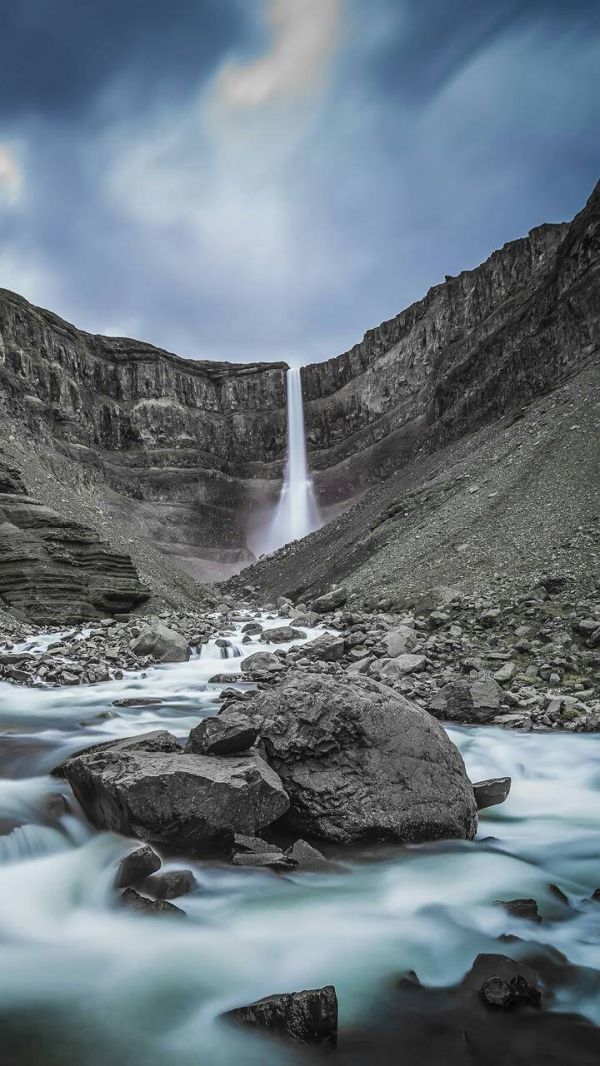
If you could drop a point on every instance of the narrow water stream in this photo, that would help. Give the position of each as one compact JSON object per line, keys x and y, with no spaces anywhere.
{"x":85,"y":982}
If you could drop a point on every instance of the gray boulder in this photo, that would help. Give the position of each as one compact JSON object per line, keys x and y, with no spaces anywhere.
{"x":467,"y":701}
{"x":328,"y":648}
{"x":360,"y":762}
{"x":402,"y":665}
{"x":281,"y":635}
{"x":164,"y":645}
{"x":330,"y":601}
{"x":399,"y":641}
{"x":190,"y":803}
{"x":262,"y":662}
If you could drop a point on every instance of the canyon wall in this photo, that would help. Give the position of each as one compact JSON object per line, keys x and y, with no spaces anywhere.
{"x":196,"y":445}
{"x":474,"y":347}
{"x":187,"y":454}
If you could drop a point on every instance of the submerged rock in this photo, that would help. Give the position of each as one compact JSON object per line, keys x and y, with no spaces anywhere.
{"x":308,"y":1017}
{"x":133,"y":900}
{"x":503,"y":982}
{"x":360,"y":762}
{"x":170,"y":884}
{"x":191,"y":803}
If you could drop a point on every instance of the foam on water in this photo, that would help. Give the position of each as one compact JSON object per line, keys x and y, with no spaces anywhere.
{"x":68,"y":949}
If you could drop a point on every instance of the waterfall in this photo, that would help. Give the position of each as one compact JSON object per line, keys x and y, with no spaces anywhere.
{"x":297,"y":513}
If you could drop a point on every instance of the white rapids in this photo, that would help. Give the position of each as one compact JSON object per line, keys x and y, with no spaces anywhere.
{"x":111,"y":986}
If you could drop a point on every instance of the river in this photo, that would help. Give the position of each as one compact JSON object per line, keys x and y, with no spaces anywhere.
{"x":85,"y":983}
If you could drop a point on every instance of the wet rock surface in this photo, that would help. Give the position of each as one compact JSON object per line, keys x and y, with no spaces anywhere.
{"x":308,"y":1017}
{"x":360,"y":762}
{"x":191,"y":803}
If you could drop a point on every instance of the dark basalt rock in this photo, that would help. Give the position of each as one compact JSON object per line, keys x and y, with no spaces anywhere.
{"x":492,"y":792}
{"x":136,"y":867}
{"x":362,"y":763}
{"x":170,"y":884}
{"x":54,"y":570}
{"x":308,"y":1017}
{"x":224,"y":735}
{"x":503,"y":982}
{"x":134,"y":901}
{"x":189,"y":803}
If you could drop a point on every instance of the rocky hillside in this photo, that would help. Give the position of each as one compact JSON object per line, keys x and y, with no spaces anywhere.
{"x":475,"y":347}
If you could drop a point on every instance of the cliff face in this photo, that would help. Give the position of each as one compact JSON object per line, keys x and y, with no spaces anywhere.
{"x":56,"y":570}
{"x":199,"y":441}
{"x":475,"y":346}
{"x":185,"y":454}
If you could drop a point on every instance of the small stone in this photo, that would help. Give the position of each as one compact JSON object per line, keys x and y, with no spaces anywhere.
{"x":137,"y":866}
{"x":491,"y":792}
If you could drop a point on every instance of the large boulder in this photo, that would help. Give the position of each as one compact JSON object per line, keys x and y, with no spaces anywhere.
{"x":330,"y":601}
{"x":164,"y":645}
{"x":189,"y":803}
{"x":362,"y":763}
{"x":468,"y":701}
{"x":399,"y":641}
{"x":281,"y":635}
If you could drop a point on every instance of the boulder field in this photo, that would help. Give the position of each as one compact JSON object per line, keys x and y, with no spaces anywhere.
{"x":340,"y":761}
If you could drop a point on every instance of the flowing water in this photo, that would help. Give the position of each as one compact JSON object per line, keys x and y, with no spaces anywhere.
{"x":297,"y":513}
{"x":85,"y":983}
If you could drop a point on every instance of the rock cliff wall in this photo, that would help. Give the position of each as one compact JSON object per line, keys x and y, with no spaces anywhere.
{"x":474,"y":347}
{"x":197,"y":445}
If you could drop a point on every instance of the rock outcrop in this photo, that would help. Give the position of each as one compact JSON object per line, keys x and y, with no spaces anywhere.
{"x":361,"y":763}
{"x":53,"y":570}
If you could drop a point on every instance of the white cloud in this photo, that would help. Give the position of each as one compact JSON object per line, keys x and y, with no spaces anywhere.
{"x":305,"y":35}
{"x":10,"y":176}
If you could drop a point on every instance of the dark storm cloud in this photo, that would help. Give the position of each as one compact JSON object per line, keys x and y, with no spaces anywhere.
{"x":230,"y":187}
{"x":58,"y":56}
{"x":428,"y":42}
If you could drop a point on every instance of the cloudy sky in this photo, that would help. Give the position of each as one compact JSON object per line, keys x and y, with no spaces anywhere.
{"x":265,"y":179}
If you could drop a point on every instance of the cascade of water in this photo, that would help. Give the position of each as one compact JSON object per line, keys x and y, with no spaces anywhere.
{"x":297,"y":513}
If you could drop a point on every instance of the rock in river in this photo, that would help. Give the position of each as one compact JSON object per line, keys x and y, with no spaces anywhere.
{"x":190,"y":803}
{"x":164,"y":645}
{"x":308,"y":1017}
{"x":361,"y":763}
